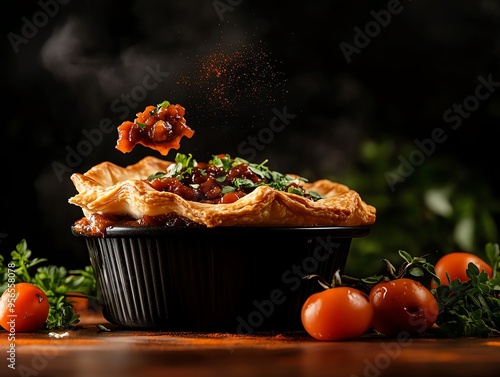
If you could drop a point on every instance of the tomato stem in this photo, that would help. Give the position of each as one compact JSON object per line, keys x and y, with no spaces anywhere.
{"x":319,"y":279}
{"x":392,"y":270}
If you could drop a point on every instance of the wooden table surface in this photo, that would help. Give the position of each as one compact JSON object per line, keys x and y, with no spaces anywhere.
{"x":88,"y":351}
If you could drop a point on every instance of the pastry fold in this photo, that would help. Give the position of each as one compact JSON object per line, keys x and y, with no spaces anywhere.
{"x":110,"y":189}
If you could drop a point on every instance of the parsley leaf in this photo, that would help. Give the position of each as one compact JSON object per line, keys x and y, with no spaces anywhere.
{"x":222,"y":162}
{"x":158,"y":107}
{"x":184,"y":166}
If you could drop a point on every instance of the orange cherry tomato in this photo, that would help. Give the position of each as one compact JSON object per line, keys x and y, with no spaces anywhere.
{"x":402,"y":305}
{"x":455,"y":264}
{"x":23,"y":308}
{"x":337,"y":313}
{"x":228,"y":198}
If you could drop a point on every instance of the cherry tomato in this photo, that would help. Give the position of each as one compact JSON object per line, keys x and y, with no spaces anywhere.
{"x":230,"y":197}
{"x":337,"y":313}
{"x":456,"y":264}
{"x":23,"y":308}
{"x":402,"y":305}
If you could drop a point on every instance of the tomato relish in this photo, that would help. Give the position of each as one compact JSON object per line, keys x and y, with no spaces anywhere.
{"x":96,"y":224}
{"x":222,"y":180}
{"x":159,"y":127}
{"x":208,"y":183}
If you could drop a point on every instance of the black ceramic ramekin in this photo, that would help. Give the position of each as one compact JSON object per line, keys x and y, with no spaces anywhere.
{"x":232,"y":279}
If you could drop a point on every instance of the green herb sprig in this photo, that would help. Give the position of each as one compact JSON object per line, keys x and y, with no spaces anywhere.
{"x":470,"y":308}
{"x":57,"y":283}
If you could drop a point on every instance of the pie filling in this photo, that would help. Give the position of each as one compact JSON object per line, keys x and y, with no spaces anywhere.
{"x":96,"y":224}
{"x":222,"y":180}
{"x":159,"y":127}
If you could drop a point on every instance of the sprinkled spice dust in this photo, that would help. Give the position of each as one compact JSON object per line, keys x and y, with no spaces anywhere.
{"x":233,"y":83}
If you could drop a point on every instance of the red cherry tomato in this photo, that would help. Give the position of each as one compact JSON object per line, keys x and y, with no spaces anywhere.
{"x":455,"y":264}
{"x":337,"y":313}
{"x":402,"y":305}
{"x":23,"y":308}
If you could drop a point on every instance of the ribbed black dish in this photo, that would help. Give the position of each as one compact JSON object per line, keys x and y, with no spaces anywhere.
{"x":237,"y":279}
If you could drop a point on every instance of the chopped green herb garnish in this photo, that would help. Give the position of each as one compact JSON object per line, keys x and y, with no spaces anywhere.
{"x":159,"y":174}
{"x":224,"y":162}
{"x":227,"y":189}
{"x":295,"y":190}
{"x":315,"y":195}
{"x":243,"y":182}
{"x":158,"y":107}
{"x":282,"y":182}
{"x":103,"y":328}
{"x":184,"y":166}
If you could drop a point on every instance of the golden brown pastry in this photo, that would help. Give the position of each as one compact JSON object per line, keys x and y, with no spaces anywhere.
{"x":125,"y":191}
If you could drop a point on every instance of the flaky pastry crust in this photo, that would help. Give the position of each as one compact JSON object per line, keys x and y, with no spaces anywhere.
{"x":110,"y":189}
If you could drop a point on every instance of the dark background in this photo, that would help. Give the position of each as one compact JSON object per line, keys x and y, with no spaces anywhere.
{"x":230,"y":68}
